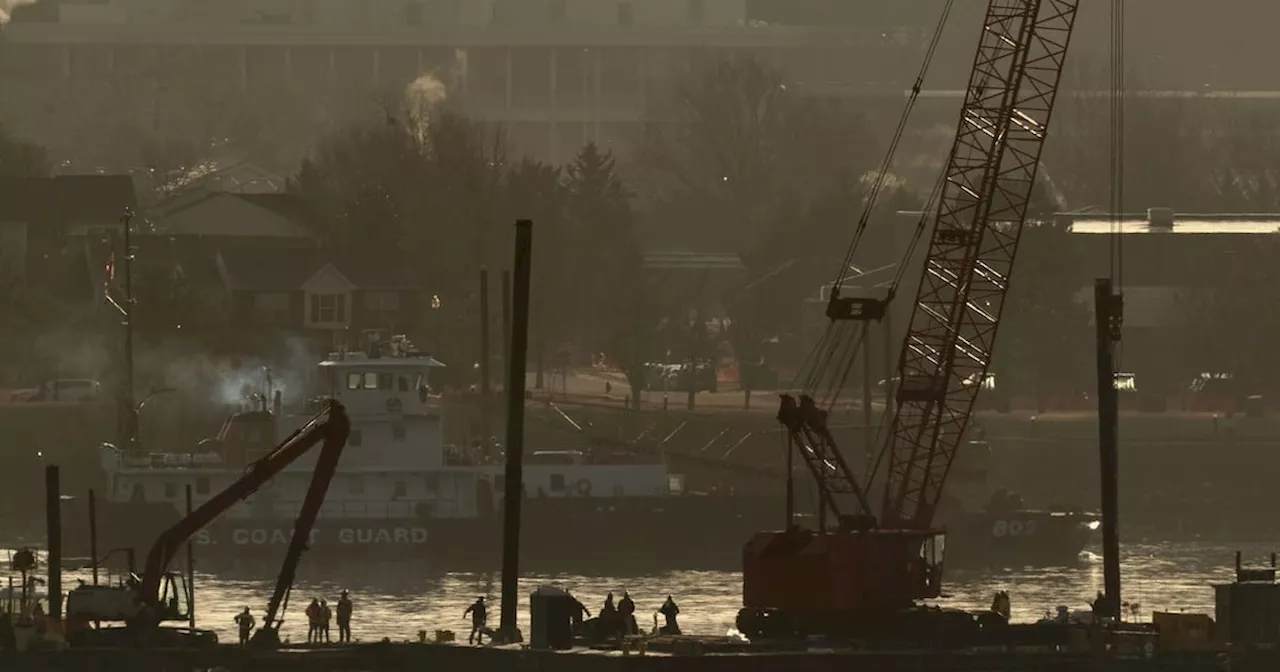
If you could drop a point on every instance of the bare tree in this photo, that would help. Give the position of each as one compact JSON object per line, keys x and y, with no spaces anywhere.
{"x":732,"y":143}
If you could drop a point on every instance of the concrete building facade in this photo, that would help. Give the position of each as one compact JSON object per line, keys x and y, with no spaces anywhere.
{"x":556,"y":73}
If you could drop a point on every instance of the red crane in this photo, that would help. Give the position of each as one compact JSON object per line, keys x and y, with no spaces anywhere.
{"x":848,"y":578}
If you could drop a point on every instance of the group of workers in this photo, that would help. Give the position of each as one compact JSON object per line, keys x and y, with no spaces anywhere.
{"x":619,"y":618}
{"x":319,"y":615}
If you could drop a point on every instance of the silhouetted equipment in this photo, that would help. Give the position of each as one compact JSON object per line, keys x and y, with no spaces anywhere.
{"x":551,"y":612}
{"x":1248,"y":609}
{"x":158,"y":595}
{"x":334,"y":433}
{"x":865,"y":575}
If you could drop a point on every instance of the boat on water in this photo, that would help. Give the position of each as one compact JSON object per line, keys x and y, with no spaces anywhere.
{"x":401,"y":490}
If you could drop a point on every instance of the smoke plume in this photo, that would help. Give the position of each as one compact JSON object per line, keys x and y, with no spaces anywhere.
{"x":421,"y":97}
{"x":7,"y":7}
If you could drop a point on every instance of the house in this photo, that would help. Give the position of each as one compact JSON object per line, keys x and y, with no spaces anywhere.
{"x":217,"y":219}
{"x":51,"y":229}
{"x":301,"y":289}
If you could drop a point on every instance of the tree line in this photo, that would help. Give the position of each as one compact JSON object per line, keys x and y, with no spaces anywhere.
{"x":737,"y":159}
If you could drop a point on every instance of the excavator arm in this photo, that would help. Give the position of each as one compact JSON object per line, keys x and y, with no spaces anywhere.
{"x":337,"y":429}
{"x":331,"y":427}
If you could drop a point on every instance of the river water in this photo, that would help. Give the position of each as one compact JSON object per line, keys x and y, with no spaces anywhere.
{"x":397,"y":599}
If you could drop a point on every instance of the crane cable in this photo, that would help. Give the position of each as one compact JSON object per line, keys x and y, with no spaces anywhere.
{"x":883,"y":174}
{"x":832,"y":339}
{"x":1116,"y":268}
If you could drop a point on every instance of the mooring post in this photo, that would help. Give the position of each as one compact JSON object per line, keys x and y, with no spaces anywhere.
{"x":93,"y":534}
{"x":485,"y":380}
{"x":1108,"y":316}
{"x":191,"y":573}
{"x":506,"y":318}
{"x":514,"y":491}
{"x":53,"y":541}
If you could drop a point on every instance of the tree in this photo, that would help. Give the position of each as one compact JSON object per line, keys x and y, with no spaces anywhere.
{"x":614,"y":310}
{"x":21,"y":159}
{"x":1045,"y":334}
{"x":733,"y":143}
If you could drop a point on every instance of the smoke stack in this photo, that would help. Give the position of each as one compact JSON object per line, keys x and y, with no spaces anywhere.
{"x":277,"y":403}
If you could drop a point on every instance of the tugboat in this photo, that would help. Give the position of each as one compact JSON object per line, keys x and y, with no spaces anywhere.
{"x":400,"y":488}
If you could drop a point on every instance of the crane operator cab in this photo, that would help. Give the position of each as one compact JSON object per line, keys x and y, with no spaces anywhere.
{"x":120,"y":602}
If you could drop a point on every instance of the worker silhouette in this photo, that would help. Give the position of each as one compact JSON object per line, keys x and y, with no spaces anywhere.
{"x":344,"y":618}
{"x":627,"y":612}
{"x":244,"y":623}
{"x":608,"y":611}
{"x":326,"y":615}
{"x":478,"y":614}
{"x":313,"y":621}
{"x":669,"y":610}
{"x":579,"y":613}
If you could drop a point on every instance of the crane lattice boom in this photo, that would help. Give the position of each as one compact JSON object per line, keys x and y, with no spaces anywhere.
{"x":988,"y":183}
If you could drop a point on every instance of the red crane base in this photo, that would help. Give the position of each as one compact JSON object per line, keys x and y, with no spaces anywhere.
{"x":801,"y":577}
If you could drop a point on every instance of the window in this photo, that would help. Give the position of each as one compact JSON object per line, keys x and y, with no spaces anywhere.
{"x":170,"y":490}
{"x":557,"y":11}
{"x":356,"y":483}
{"x":624,"y":13}
{"x":404,"y":383}
{"x":355,"y":438}
{"x":328,"y":308}
{"x":557,"y":482}
{"x":398,"y":490}
{"x":353,"y":381}
{"x":202,"y":485}
{"x":397,"y":432}
{"x":413,"y":14}
{"x":697,"y":10}
{"x":371,"y":381}
{"x":384,"y":381}
{"x":271,"y":307}
{"x":383,"y":308}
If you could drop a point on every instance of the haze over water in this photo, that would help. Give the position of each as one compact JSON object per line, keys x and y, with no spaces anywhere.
{"x":397,"y":598}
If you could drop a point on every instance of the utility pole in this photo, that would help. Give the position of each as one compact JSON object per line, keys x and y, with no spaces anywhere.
{"x":514,"y":486}
{"x":485,"y":430}
{"x":868,"y":434}
{"x":128,"y":412}
{"x":506,"y":319}
{"x":1109,"y":316}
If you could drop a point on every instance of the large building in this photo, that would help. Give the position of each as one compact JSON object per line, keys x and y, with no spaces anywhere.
{"x":554,"y":72}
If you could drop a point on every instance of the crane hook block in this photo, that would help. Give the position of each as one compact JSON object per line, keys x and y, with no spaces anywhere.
{"x":858,"y":309}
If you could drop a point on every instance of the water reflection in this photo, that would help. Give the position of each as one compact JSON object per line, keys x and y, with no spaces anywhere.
{"x":396,"y":599}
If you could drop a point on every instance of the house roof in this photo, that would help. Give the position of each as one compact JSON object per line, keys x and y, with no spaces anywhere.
{"x":288,"y":269}
{"x":66,"y":200}
{"x":229,"y":214}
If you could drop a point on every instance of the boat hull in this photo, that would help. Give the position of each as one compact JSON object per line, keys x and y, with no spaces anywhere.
{"x":578,"y":534}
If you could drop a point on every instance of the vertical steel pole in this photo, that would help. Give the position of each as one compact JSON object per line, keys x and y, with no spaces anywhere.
{"x":53,"y":530}
{"x":485,"y":377}
{"x":191,"y":573}
{"x":1108,"y":316}
{"x":93,"y":535}
{"x":515,"y":429}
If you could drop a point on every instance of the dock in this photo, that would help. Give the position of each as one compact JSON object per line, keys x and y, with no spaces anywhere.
{"x":689,"y":657}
